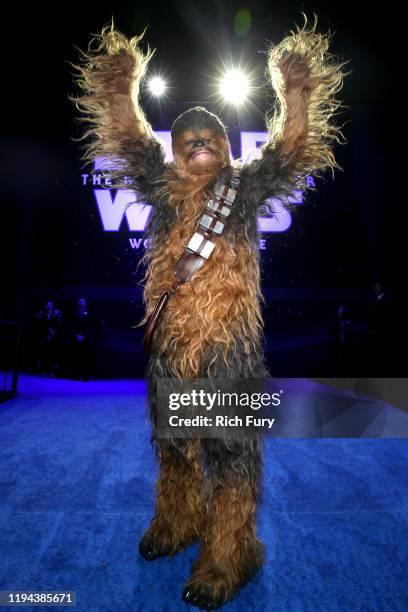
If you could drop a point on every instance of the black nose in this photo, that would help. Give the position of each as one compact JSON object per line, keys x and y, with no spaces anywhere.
{"x":199,"y":143}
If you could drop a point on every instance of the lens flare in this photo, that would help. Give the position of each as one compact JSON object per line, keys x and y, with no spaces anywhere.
{"x":234,"y":87}
{"x":157,"y":86}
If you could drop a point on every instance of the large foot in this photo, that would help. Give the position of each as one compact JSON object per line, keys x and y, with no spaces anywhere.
{"x":151,"y":548}
{"x":159,"y":542}
{"x":212,"y":588}
{"x":208,"y":594}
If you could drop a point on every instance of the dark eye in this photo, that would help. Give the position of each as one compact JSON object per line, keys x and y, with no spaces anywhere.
{"x":190,"y":142}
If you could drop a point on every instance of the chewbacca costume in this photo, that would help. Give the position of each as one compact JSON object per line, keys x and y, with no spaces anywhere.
{"x":212,"y":327}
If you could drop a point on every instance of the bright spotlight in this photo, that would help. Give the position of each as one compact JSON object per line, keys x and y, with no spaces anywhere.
{"x":157,"y":86}
{"x":234,"y":87}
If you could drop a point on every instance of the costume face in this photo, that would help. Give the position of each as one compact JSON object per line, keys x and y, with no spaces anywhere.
{"x":201,"y":151}
{"x":200,"y":143}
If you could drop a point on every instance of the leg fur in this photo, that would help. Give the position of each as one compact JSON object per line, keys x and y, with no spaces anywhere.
{"x":231,"y":553}
{"x":180,"y":503}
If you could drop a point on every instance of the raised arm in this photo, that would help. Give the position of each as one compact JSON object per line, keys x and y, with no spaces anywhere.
{"x":109,"y":75}
{"x":301,"y":129}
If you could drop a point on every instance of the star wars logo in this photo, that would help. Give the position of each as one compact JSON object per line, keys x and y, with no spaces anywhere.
{"x":116,"y":205}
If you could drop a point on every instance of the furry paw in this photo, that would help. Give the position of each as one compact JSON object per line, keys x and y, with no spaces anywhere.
{"x":151,"y":548}
{"x":202,"y":596}
{"x":209,"y":591}
{"x":211,"y":586}
{"x":159,"y":541}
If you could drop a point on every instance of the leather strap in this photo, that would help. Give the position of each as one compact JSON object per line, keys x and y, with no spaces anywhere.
{"x":188,"y":263}
{"x":152,"y":322}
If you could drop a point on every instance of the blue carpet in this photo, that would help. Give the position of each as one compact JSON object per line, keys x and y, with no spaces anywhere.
{"x":76,"y":492}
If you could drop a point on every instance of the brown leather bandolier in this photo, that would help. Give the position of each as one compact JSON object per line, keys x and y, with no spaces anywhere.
{"x":199,"y":248}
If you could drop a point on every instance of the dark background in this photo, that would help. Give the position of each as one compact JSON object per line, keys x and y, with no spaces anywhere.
{"x":347,"y":235}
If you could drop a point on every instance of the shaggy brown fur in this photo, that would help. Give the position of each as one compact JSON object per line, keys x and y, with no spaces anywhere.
{"x":305,"y":79}
{"x":230,"y":552}
{"x":180,"y":503}
{"x":204,"y":312}
{"x":109,"y":76}
{"x":212,"y":327}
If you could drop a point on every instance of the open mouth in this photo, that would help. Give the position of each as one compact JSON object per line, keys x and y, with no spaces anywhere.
{"x":202,"y":153}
